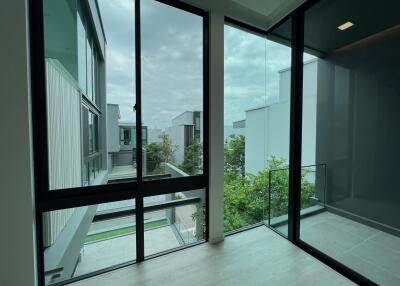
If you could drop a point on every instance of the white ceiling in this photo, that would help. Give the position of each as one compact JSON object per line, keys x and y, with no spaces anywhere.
{"x":259,"y":13}
{"x":265,"y":8}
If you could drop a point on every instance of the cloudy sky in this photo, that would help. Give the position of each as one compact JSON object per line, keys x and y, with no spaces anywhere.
{"x":172,"y":72}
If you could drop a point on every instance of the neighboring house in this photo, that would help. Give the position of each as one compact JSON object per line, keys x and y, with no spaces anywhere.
{"x":186,"y":129}
{"x":268,"y":127}
{"x":122,"y":143}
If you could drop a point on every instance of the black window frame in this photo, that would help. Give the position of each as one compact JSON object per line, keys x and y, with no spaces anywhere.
{"x":49,"y":200}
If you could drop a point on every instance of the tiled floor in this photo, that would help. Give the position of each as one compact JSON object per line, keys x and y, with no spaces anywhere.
{"x":254,"y":257}
{"x":371,"y":252}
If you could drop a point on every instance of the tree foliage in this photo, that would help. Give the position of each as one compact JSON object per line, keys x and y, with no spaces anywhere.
{"x":234,"y":155}
{"x":159,"y":153}
{"x":193,"y":159}
{"x":246,"y":196}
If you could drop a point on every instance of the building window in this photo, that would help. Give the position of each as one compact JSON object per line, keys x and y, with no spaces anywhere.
{"x":127,"y":135}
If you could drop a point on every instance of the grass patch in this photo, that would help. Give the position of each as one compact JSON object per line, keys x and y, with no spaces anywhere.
{"x":123,"y":231}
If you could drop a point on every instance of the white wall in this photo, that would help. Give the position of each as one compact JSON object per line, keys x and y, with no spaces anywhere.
{"x":176,"y":134}
{"x":268,"y":127}
{"x":112,"y":128}
{"x":255,"y":159}
{"x":17,"y":220}
{"x":185,"y":118}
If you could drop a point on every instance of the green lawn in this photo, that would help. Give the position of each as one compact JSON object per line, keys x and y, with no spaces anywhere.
{"x":124,"y":230}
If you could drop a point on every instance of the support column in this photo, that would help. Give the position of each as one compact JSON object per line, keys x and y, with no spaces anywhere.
{"x":216,"y":127}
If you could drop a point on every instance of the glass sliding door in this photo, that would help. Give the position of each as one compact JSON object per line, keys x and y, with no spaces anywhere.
{"x":256,"y":126}
{"x":244,"y":99}
{"x":351,"y":110}
{"x":278,"y":87}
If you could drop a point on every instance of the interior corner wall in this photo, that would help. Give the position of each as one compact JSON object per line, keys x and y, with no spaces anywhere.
{"x":17,"y":216}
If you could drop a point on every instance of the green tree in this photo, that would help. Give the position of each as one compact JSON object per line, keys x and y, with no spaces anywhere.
{"x":193,"y":159}
{"x":159,"y":153}
{"x":234,"y":156}
{"x":247,"y":197}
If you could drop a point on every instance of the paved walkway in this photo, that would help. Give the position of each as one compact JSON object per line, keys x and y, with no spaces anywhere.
{"x":110,"y":252}
{"x":122,"y":172}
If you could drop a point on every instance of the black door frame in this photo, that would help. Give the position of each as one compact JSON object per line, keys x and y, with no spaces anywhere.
{"x":138,"y":188}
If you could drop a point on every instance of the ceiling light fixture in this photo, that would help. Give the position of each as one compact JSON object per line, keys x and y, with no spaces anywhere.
{"x":345,"y":26}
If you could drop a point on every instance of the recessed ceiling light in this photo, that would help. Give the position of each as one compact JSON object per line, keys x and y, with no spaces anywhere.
{"x":345,"y":26}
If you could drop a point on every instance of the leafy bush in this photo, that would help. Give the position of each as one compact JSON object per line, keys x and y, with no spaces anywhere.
{"x":159,"y":153}
{"x":246,"y":196}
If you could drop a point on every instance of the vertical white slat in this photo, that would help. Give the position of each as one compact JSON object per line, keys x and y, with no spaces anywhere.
{"x":63,"y":116}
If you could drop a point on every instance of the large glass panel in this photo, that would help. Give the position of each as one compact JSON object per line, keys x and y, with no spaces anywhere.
{"x":84,"y":113}
{"x":172,"y":89}
{"x":82,"y":240}
{"x":277,"y":123}
{"x":174,"y":220}
{"x":256,"y":131}
{"x":119,"y":25}
{"x":351,"y":112}
{"x":245,"y":99}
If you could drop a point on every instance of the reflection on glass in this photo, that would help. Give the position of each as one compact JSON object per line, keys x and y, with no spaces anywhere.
{"x":82,"y":240}
{"x":81,"y":48}
{"x":172,"y":91}
{"x":351,"y":114}
{"x":256,"y":131}
{"x":85,"y":113}
{"x":89,"y":65}
{"x":168,"y":227}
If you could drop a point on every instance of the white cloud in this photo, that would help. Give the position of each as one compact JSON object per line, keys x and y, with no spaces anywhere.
{"x":172,"y":71}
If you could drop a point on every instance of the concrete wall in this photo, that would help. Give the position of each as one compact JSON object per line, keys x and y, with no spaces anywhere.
{"x":357,"y":127}
{"x":17,"y":217}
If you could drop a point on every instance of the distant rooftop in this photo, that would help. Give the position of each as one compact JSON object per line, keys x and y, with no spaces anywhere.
{"x":239,"y":124}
